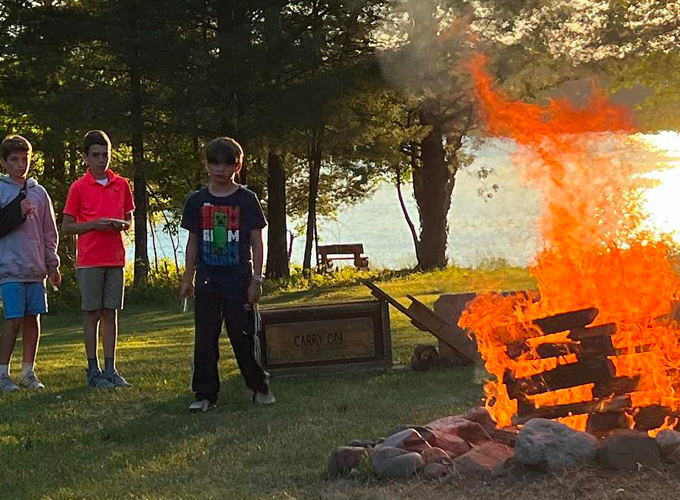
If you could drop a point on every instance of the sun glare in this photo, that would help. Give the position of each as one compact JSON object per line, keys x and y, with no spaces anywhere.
{"x":663,"y":200}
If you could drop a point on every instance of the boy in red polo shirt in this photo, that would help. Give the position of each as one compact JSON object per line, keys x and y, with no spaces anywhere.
{"x":98,"y":208}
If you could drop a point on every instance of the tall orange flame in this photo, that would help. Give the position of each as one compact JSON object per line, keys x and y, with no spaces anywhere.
{"x":596,"y":250}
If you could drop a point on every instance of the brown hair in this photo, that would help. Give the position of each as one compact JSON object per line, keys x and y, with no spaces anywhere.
{"x":13,"y":143}
{"x":97,"y":137}
{"x":224,"y":150}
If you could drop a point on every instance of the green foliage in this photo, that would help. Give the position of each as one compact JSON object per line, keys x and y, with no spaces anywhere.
{"x":492,"y":264}
{"x":651,"y":83}
{"x":162,"y":286}
{"x":361,"y":83}
{"x":305,"y":279}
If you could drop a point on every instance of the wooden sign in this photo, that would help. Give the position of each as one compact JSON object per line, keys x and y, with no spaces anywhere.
{"x":326,"y":337}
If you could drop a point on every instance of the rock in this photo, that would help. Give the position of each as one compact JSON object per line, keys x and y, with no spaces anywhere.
{"x":436,"y":456}
{"x":396,"y":463}
{"x":469,"y":431}
{"x":509,"y":467}
{"x":403,"y":466}
{"x":435,"y":471}
{"x":480,"y":415}
{"x":363,"y":443}
{"x":668,"y":441}
{"x":408,"y":439}
{"x":345,"y":458}
{"x":674,"y":456}
{"x":424,"y":357}
{"x":385,"y":453}
{"x":425,"y":432}
{"x":481,"y":461}
{"x":629,"y":450}
{"x":453,"y":445}
{"x":552,"y":446}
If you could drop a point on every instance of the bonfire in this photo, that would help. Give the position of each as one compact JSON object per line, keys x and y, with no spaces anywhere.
{"x":597,"y":346}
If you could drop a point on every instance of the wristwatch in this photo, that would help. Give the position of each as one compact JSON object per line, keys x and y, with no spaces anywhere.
{"x":258,"y":277}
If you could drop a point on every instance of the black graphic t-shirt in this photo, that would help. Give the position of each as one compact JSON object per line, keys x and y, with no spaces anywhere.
{"x":223,"y":225}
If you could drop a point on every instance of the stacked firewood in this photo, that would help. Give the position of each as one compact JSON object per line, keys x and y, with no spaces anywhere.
{"x":611,"y":406}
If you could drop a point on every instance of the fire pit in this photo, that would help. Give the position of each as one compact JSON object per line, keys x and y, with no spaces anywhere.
{"x":587,"y":367}
{"x":588,"y":377}
{"x":598,"y":346}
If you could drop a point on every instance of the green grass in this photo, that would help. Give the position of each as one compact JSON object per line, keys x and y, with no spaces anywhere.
{"x":69,"y":442}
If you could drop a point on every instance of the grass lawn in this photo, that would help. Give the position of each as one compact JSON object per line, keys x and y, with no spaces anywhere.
{"x":69,"y":442}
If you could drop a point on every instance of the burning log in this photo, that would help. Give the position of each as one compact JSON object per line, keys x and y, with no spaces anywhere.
{"x":567,"y":321}
{"x":593,"y":344}
{"x":618,"y":404}
{"x":595,"y":332}
{"x":554,"y":350}
{"x":602,"y":422}
{"x":651,"y":417}
{"x":595,"y":370}
{"x":596,"y":340}
{"x":516,"y":349}
{"x":588,"y":348}
{"x":619,"y":387}
{"x":578,"y":377}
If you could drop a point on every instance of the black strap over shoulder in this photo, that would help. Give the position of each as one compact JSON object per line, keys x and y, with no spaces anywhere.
{"x":10,"y":215}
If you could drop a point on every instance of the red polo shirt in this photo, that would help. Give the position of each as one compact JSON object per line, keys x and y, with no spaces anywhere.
{"x":88,"y":200}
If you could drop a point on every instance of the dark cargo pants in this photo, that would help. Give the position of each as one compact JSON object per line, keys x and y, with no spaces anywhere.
{"x":212,"y":308}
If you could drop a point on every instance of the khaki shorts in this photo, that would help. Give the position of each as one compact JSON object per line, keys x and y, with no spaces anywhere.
{"x":101,"y":287}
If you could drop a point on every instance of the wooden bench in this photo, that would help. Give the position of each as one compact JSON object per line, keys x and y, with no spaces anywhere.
{"x":326,"y":254}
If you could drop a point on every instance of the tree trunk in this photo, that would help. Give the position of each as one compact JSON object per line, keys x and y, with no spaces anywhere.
{"x":232,"y":40}
{"x":277,"y":251}
{"x":141,"y":267}
{"x":314,"y":173}
{"x":407,"y":217}
{"x":433,"y":183}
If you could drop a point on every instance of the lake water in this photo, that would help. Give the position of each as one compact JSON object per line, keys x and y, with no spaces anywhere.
{"x":481,"y":228}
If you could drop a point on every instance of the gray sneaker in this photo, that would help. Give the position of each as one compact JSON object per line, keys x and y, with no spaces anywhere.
{"x":30,"y":381}
{"x":116,"y":379}
{"x":96,"y":380}
{"x":264,"y":398}
{"x":201,"y":406}
{"x":7,"y":384}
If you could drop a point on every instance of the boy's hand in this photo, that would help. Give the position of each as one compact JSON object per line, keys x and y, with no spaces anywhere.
{"x":103,"y":224}
{"x":119,"y":225}
{"x":254,"y":292}
{"x":186,"y":289}
{"x":55,"y":278}
{"x":27,"y":208}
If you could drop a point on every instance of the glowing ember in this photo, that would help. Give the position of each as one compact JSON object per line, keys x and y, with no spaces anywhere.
{"x":598,"y":252}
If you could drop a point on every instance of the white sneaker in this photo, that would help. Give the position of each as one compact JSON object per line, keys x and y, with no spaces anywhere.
{"x":264,"y":398}
{"x":7,"y":384}
{"x":30,"y":381}
{"x":202,"y":405}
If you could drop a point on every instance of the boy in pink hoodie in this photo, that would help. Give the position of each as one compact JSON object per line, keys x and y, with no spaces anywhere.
{"x":29,"y":254}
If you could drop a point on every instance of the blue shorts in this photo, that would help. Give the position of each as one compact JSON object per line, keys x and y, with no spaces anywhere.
{"x":23,"y":299}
